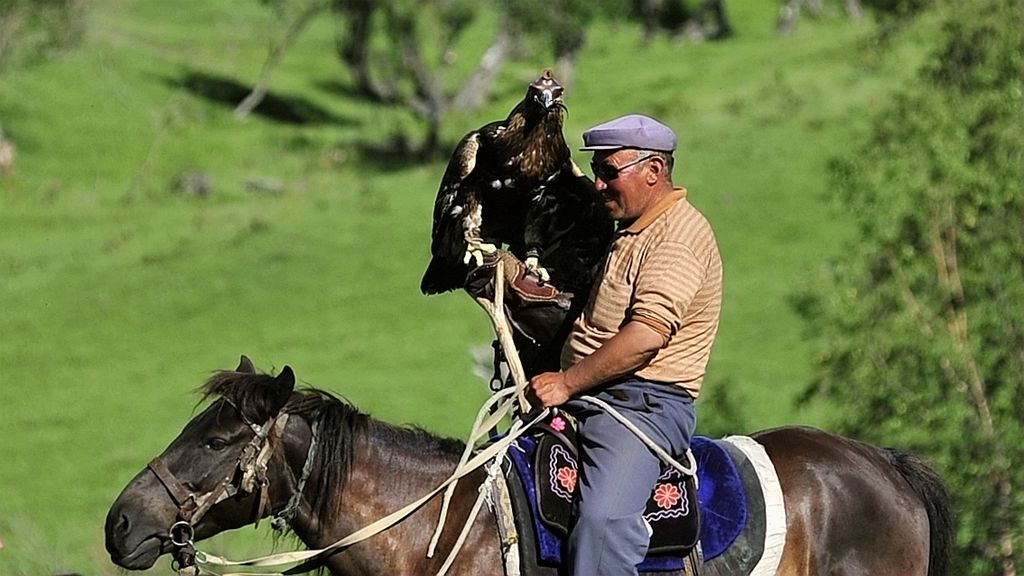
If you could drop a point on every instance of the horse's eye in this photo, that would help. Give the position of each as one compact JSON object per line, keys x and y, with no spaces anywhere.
{"x":216,"y":443}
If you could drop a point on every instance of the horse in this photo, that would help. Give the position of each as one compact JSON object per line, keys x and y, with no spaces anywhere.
{"x":328,"y":469}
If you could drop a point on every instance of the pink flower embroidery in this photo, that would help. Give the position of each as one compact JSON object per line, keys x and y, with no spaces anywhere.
{"x":667,"y":495}
{"x":558,"y":424}
{"x":567,"y":478}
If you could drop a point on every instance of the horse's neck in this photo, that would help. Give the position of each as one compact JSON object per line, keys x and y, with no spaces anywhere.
{"x":388,"y":472}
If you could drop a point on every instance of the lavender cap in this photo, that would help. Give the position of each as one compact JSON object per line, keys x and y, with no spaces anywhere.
{"x":630,"y":131}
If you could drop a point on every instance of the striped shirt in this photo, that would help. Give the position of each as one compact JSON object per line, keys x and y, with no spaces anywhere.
{"x":664,"y":270}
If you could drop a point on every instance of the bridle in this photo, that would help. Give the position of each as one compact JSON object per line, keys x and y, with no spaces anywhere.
{"x":248,"y":476}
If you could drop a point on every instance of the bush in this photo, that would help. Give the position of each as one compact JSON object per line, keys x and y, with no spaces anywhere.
{"x":920,"y":325}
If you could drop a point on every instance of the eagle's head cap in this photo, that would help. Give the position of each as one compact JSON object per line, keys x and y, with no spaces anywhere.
{"x":545,"y":91}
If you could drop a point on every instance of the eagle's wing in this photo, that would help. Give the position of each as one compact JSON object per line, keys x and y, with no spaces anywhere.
{"x":457,"y":199}
{"x":453,"y":197}
{"x":569,"y":229}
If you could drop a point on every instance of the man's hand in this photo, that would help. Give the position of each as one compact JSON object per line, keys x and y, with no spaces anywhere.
{"x":630,"y":349}
{"x":549,"y":389}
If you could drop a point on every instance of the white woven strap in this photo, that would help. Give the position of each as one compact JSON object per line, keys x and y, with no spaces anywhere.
{"x":483,"y":494}
{"x":480,"y":427}
{"x":689,"y":470}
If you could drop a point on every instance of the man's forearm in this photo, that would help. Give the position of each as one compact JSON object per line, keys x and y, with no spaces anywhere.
{"x":626,"y":352}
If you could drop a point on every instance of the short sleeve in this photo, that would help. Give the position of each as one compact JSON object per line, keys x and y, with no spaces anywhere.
{"x":668,"y":279}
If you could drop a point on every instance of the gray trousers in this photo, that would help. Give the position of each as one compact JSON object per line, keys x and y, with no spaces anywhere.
{"x":617,"y":472}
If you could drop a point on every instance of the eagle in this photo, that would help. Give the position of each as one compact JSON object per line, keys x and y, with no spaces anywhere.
{"x":513,"y":182}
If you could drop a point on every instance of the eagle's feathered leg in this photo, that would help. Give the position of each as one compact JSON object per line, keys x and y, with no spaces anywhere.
{"x":475,"y":246}
{"x":532,"y":258}
{"x":535,"y":217}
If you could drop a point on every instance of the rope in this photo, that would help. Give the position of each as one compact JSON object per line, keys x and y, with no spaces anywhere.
{"x":482,"y":494}
{"x":503,"y":345}
{"x":690,"y":470}
{"x":479,"y":427}
{"x":283,"y":518}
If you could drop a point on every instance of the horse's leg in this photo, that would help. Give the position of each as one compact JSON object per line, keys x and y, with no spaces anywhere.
{"x":848,"y":511}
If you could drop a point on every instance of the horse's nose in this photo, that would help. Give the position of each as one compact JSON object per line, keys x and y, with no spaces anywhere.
{"x":123,"y":525}
{"x":118,"y":525}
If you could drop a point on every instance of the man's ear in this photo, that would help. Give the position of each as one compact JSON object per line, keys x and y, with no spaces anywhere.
{"x":658,"y":169}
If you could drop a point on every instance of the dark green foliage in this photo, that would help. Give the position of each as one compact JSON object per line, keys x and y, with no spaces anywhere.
{"x":899,"y":8}
{"x":563,"y":23}
{"x":33,"y":28}
{"x":921,"y":324}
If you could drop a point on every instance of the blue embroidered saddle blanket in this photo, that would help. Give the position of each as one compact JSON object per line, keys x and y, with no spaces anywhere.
{"x":721,"y":501}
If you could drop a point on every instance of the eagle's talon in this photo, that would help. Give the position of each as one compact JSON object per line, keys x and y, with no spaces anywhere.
{"x":533,"y":266}
{"x":475,"y":250}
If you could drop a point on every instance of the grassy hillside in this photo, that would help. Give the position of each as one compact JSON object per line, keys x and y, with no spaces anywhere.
{"x":121,"y":291}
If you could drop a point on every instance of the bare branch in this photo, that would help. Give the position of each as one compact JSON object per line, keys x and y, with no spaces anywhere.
{"x":475,"y":89}
{"x":259,"y":90}
{"x":944,"y":250}
{"x":943,"y":244}
{"x":354,"y":49}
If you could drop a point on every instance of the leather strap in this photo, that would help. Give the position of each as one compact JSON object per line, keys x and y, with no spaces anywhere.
{"x":176,"y":489}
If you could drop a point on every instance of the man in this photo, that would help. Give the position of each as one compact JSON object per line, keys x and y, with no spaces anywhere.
{"x":641,"y":344}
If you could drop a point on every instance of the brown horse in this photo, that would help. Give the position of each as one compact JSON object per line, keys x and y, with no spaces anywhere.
{"x":327,"y":470}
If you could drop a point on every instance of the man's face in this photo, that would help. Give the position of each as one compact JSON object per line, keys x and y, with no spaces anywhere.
{"x":620,"y":179}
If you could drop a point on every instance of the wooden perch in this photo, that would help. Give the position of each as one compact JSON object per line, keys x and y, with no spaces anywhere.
{"x":496,"y":310}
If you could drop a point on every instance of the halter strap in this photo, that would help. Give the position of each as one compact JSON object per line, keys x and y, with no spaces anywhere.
{"x":250,"y":469}
{"x":179,"y":493}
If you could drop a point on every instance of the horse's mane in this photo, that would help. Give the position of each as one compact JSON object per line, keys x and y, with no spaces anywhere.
{"x":339,"y":425}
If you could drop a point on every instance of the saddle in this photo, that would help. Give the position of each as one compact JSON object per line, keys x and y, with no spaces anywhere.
{"x":543,"y":471}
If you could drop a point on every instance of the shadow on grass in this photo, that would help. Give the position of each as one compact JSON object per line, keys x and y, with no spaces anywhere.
{"x":229,"y":92}
{"x":398,"y":151}
{"x":341,"y":89}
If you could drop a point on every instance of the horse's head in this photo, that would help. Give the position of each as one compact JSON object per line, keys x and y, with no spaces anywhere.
{"x":212,"y":477}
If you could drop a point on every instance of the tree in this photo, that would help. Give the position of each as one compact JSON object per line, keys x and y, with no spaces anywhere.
{"x":789,"y":14}
{"x":402,"y":51}
{"x":920,"y":325}
{"x":559,"y":25}
{"x":708,"y":22}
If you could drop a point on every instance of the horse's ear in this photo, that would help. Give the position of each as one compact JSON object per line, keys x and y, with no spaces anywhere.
{"x":245,"y":365}
{"x":284,"y":383}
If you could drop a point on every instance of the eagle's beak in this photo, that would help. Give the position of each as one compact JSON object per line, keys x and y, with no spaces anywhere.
{"x":546,"y":98}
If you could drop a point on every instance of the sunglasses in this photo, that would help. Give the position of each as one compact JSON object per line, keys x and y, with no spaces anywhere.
{"x":607,"y":172}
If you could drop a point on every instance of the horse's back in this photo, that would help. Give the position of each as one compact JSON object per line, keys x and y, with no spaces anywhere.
{"x":849,"y":509}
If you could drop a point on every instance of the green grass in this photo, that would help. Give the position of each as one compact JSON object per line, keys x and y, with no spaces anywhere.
{"x":119,"y":296}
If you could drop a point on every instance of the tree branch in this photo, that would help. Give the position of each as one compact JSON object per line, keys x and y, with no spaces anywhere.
{"x":259,"y":90}
{"x":944,"y":251}
{"x":475,"y":89}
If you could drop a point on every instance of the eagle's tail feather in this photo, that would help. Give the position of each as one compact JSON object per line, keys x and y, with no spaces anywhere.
{"x":438,"y":278}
